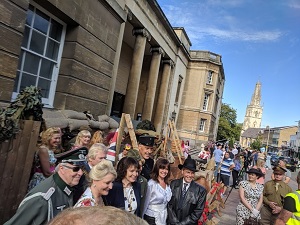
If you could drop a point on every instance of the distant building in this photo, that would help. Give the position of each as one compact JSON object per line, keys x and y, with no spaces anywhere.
{"x":278,"y":137}
{"x":249,"y":136}
{"x":254,"y":110}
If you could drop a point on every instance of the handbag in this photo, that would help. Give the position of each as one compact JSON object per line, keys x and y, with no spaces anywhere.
{"x":251,"y":221}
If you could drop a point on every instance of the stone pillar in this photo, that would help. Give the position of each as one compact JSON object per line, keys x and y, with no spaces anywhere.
{"x":135,"y":70}
{"x":157,"y":53}
{"x":168,"y":64}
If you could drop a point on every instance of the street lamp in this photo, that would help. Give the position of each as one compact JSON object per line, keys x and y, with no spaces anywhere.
{"x":267,"y":147}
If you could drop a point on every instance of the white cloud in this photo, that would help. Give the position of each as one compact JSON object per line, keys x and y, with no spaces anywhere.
{"x":293,"y":4}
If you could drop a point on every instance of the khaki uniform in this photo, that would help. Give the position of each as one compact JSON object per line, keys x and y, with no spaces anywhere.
{"x":273,"y":194}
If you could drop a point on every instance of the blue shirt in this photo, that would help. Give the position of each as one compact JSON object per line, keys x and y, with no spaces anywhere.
{"x":225,"y":166}
{"x":218,"y":153}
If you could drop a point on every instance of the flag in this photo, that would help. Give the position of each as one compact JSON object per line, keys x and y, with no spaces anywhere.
{"x":111,"y":153}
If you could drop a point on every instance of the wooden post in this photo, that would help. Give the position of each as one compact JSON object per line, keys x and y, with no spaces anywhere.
{"x":131,"y":131}
{"x":120,"y":136}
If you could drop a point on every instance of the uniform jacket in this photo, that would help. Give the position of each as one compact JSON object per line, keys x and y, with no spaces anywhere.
{"x":271,"y":195}
{"x":186,"y":211}
{"x":35,"y":210}
{"x":147,"y":168}
{"x":115,"y":196}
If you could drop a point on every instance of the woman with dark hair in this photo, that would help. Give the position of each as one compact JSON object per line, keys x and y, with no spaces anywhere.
{"x":126,"y":191}
{"x":158,"y":193}
{"x":251,"y":197}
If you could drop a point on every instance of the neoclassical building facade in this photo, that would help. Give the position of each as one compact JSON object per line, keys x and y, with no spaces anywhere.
{"x":110,"y":57}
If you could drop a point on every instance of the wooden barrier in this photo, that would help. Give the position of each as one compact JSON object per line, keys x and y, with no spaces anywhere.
{"x":16,"y":157}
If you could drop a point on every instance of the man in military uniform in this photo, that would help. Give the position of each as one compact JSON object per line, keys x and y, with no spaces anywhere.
{"x":273,"y":195}
{"x":290,"y":214}
{"x":54,"y":194}
{"x":145,"y":146}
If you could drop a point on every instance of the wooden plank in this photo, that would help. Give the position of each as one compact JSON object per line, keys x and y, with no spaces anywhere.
{"x":131,"y":131}
{"x":31,"y":148}
{"x":120,"y":136}
{"x":174,"y":138}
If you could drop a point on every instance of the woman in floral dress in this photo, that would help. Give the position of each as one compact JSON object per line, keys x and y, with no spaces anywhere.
{"x":102,"y":176}
{"x":251,"y":197}
{"x":44,"y":160}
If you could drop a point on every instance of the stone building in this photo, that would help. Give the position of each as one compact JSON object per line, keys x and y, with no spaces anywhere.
{"x":109,"y":57}
{"x":254,"y":111}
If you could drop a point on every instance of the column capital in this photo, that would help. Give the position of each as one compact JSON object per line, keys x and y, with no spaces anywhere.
{"x":157,"y":49}
{"x":168,"y":61}
{"x":141,"y":31}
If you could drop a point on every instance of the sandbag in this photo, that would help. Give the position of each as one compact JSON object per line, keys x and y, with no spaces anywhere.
{"x":113,"y":124}
{"x":104,"y":125}
{"x":48,"y":113}
{"x":103,"y":118}
{"x":76,"y":124}
{"x":71,"y":114}
{"x":94,"y":124}
{"x":56,"y":122}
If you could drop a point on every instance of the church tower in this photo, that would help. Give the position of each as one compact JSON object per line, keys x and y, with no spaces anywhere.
{"x":254,"y":110}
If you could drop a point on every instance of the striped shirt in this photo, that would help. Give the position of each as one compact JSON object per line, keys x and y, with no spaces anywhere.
{"x":225,"y":166}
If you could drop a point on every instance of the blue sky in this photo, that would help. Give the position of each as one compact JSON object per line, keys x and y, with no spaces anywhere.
{"x":258,"y":40}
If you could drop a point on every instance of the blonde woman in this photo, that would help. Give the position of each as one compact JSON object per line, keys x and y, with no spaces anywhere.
{"x":44,"y":160}
{"x":97,"y":137}
{"x":83,"y":139}
{"x":101,"y":179}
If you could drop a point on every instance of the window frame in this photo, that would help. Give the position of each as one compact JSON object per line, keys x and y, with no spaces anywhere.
{"x":209,"y":79}
{"x":205,"y":101}
{"x":202,"y":124}
{"x":48,"y":102}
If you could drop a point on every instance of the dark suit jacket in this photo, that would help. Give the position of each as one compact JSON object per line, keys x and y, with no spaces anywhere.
{"x":186,"y":211}
{"x":115,"y":196}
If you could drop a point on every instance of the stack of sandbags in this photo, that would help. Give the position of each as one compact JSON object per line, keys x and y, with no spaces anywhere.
{"x":75,"y":119}
{"x":54,"y":118}
{"x":107,"y":123}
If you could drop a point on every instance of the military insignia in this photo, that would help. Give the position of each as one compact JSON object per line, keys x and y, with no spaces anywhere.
{"x":81,"y":156}
{"x":67,"y":190}
{"x":61,"y":208}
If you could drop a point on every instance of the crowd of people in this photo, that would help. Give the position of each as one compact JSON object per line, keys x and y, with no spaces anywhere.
{"x":82,"y":178}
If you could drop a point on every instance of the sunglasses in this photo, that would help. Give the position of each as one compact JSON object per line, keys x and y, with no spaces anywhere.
{"x":74,"y":169}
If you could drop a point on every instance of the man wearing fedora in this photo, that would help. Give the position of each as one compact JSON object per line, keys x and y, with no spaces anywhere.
{"x":54,"y":194}
{"x":273,"y":196}
{"x":188,"y":197}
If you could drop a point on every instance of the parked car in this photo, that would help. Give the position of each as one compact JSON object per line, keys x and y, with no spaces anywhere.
{"x":290,"y":164}
{"x":274,"y":160}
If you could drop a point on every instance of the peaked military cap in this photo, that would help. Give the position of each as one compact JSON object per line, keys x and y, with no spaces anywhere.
{"x":147,"y":140}
{"x":76,"y":156}
{"x":279,"y":170}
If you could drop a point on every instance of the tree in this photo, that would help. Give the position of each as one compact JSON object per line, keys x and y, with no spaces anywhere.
{"x":228,"y":128}
{"x":256,"y":144}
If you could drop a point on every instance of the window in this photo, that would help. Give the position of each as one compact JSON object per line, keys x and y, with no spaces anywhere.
{"x":40,"y":54}
{"x":216,"y":104}
{"x":202,"y":125}
{"x":178,"y":89}
{"x":209,"y":77}
{"x":205,"y":102}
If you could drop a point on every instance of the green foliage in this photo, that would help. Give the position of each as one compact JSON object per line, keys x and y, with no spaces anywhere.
{"x":256,"y":144}
{"x":27,"y":106}
{"x":146,"y":125}
{"x":228,"y":128}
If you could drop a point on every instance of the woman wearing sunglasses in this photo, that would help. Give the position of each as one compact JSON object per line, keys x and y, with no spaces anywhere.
{"x":101,"y":179}
{"x":126,"y":191}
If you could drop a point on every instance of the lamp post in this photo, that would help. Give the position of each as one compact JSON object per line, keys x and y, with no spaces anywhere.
{"x":267,"y":147}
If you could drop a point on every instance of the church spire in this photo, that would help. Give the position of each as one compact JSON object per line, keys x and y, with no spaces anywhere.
{"x":256,"y":97}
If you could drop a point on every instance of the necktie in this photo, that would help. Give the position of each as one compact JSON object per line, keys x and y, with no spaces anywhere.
{"x":184,"y":189}
{"x":276,"y":186}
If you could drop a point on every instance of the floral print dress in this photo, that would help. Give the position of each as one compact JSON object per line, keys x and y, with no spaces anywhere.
{"x":38,"y":175}
{"x":87,"y":199}
{"x":252,"y":196}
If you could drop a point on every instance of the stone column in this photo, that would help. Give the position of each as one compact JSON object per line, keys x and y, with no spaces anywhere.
{"x":135,"y":70}
{"x":168,"y":64}
{"x":157,"y":53}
